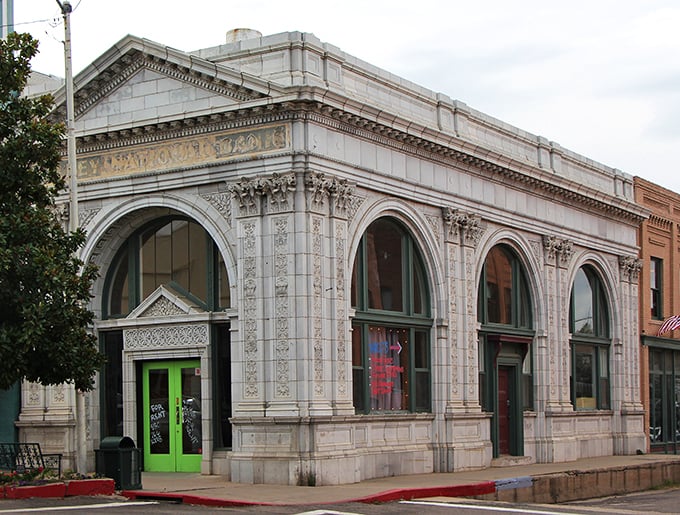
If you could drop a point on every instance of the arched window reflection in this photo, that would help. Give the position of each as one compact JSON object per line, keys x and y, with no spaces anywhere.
{"x":589,"y":326}
{"x":176,"y":252}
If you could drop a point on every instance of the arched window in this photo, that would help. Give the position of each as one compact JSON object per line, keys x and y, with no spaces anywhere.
{"x":504,"y":296}
{"x":590,"y":342}
{"x":391,"y":328}
{"x":504,"y":311}
{"x":176,"y":252}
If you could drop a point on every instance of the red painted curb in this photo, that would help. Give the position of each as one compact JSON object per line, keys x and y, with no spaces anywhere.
{"x":90,"y":487}
{"x":26,"y":492}
{"x":403,"y":494}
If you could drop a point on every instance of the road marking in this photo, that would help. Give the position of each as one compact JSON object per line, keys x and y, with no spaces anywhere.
{"x":327,"y":512}
{"x":491,"y":508}
{"x":81,"y":507}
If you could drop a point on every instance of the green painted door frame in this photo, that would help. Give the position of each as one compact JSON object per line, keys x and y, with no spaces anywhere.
{"x":171,"y":414}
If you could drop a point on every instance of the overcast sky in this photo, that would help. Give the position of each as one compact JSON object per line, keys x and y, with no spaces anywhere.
{"x":599,"y":77}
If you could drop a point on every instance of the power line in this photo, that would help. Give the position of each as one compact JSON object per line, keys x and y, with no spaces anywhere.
{"x":7,"y":25}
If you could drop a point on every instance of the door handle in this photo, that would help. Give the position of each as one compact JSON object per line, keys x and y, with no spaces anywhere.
{"x":177,"y":412}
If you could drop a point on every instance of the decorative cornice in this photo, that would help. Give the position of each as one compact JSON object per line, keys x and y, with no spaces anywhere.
{"x":340,"y":119}
{"x":660,"y":222}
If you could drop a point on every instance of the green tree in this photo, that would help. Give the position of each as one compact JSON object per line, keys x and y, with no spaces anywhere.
{"x":44,"y":287}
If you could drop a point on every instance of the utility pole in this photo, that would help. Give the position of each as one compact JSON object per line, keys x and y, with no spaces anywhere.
{"x":80,"y":415}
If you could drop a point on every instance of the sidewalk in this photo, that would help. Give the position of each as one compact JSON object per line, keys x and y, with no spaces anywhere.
{"x":560,"y":481}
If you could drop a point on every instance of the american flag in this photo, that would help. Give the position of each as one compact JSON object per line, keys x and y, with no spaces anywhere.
{"x":670,"y":324}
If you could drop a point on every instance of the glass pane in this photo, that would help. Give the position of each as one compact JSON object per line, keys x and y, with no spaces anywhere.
{"x":180,"y":253}
{"x":422,"y":391}
{"x":582,"y":304}
{"x":147,"y":261}
{"x":159,"y":417}
{"x":384,"y":266}
{"x":224,"y":290}
{"x":602,"y":313}
{"x":198,"y":271}
{"x":388,"y":368}
{"x":191,"y":411}
{"x":524,"y":317}
{"x":677,"y":409}
{"x":499,"y":287}
{"x":113,"y":383}
{"x":584,"y":377}
{"x":355,"y":277}
{"x":163,"y":255}
{"x":358,"y":390}
{"x":420,"y":350}
{"x":223,"y":387}
{"x":418,"y":287}
{"x":119,"y":303}
{"x":656,"y":409}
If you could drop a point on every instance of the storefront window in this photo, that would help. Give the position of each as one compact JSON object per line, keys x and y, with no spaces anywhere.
{"x":390,"y":338}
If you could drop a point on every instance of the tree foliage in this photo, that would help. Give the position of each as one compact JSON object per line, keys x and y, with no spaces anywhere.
{"x":44,"y":287}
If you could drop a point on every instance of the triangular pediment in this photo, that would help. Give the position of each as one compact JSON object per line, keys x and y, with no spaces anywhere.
{"x":165,"y":302}
{"x":138,"y":82}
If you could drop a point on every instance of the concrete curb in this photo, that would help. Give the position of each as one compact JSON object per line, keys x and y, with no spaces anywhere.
{"x":401,"y":494}
{"x":60,"y":489}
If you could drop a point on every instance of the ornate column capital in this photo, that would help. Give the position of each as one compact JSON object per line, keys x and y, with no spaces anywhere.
{"x":466,"y":228}
{"x":320,"y":188}
{"x":276,"y":189}
{"x":557,"y":250}
{"x":630,"y":267}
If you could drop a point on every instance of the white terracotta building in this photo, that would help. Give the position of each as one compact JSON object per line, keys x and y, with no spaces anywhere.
{"x":314,"y":271}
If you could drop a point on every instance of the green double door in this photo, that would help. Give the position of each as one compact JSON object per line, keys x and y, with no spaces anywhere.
{"x":172,"y":416}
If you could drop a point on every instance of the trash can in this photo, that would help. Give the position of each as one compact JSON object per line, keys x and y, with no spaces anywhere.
{"x":118,"y":458}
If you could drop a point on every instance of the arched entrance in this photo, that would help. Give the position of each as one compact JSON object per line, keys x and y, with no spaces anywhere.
{"x":166,"y":338}
{"x":506,"y":385}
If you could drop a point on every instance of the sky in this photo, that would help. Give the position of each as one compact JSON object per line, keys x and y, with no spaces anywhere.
{"x":598,"y":77}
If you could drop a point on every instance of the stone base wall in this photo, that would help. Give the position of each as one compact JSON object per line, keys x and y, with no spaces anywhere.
{"x":327,"y":451}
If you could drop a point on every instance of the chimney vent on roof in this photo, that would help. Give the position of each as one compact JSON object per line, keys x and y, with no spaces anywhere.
{"x":235,"y":35}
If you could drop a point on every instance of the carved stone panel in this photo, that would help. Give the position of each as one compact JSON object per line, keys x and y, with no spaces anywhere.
{"x":163,"y":337}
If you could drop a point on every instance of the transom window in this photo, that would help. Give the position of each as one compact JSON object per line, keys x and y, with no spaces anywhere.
{"x":391,"y":328}
{"x":176,"y":252}
{"x":590,"y":342}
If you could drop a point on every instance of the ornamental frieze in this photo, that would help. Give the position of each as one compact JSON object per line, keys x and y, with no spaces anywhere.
{"x":184,"y":152}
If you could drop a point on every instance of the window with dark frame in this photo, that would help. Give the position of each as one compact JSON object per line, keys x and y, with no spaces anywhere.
{"x":391,"y":367}
{"x":656,"y":285}
{"x":504,"y":307}
{"x":590,"y":342}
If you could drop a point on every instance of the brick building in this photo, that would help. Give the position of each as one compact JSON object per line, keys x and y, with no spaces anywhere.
{"x":660,"y":354}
